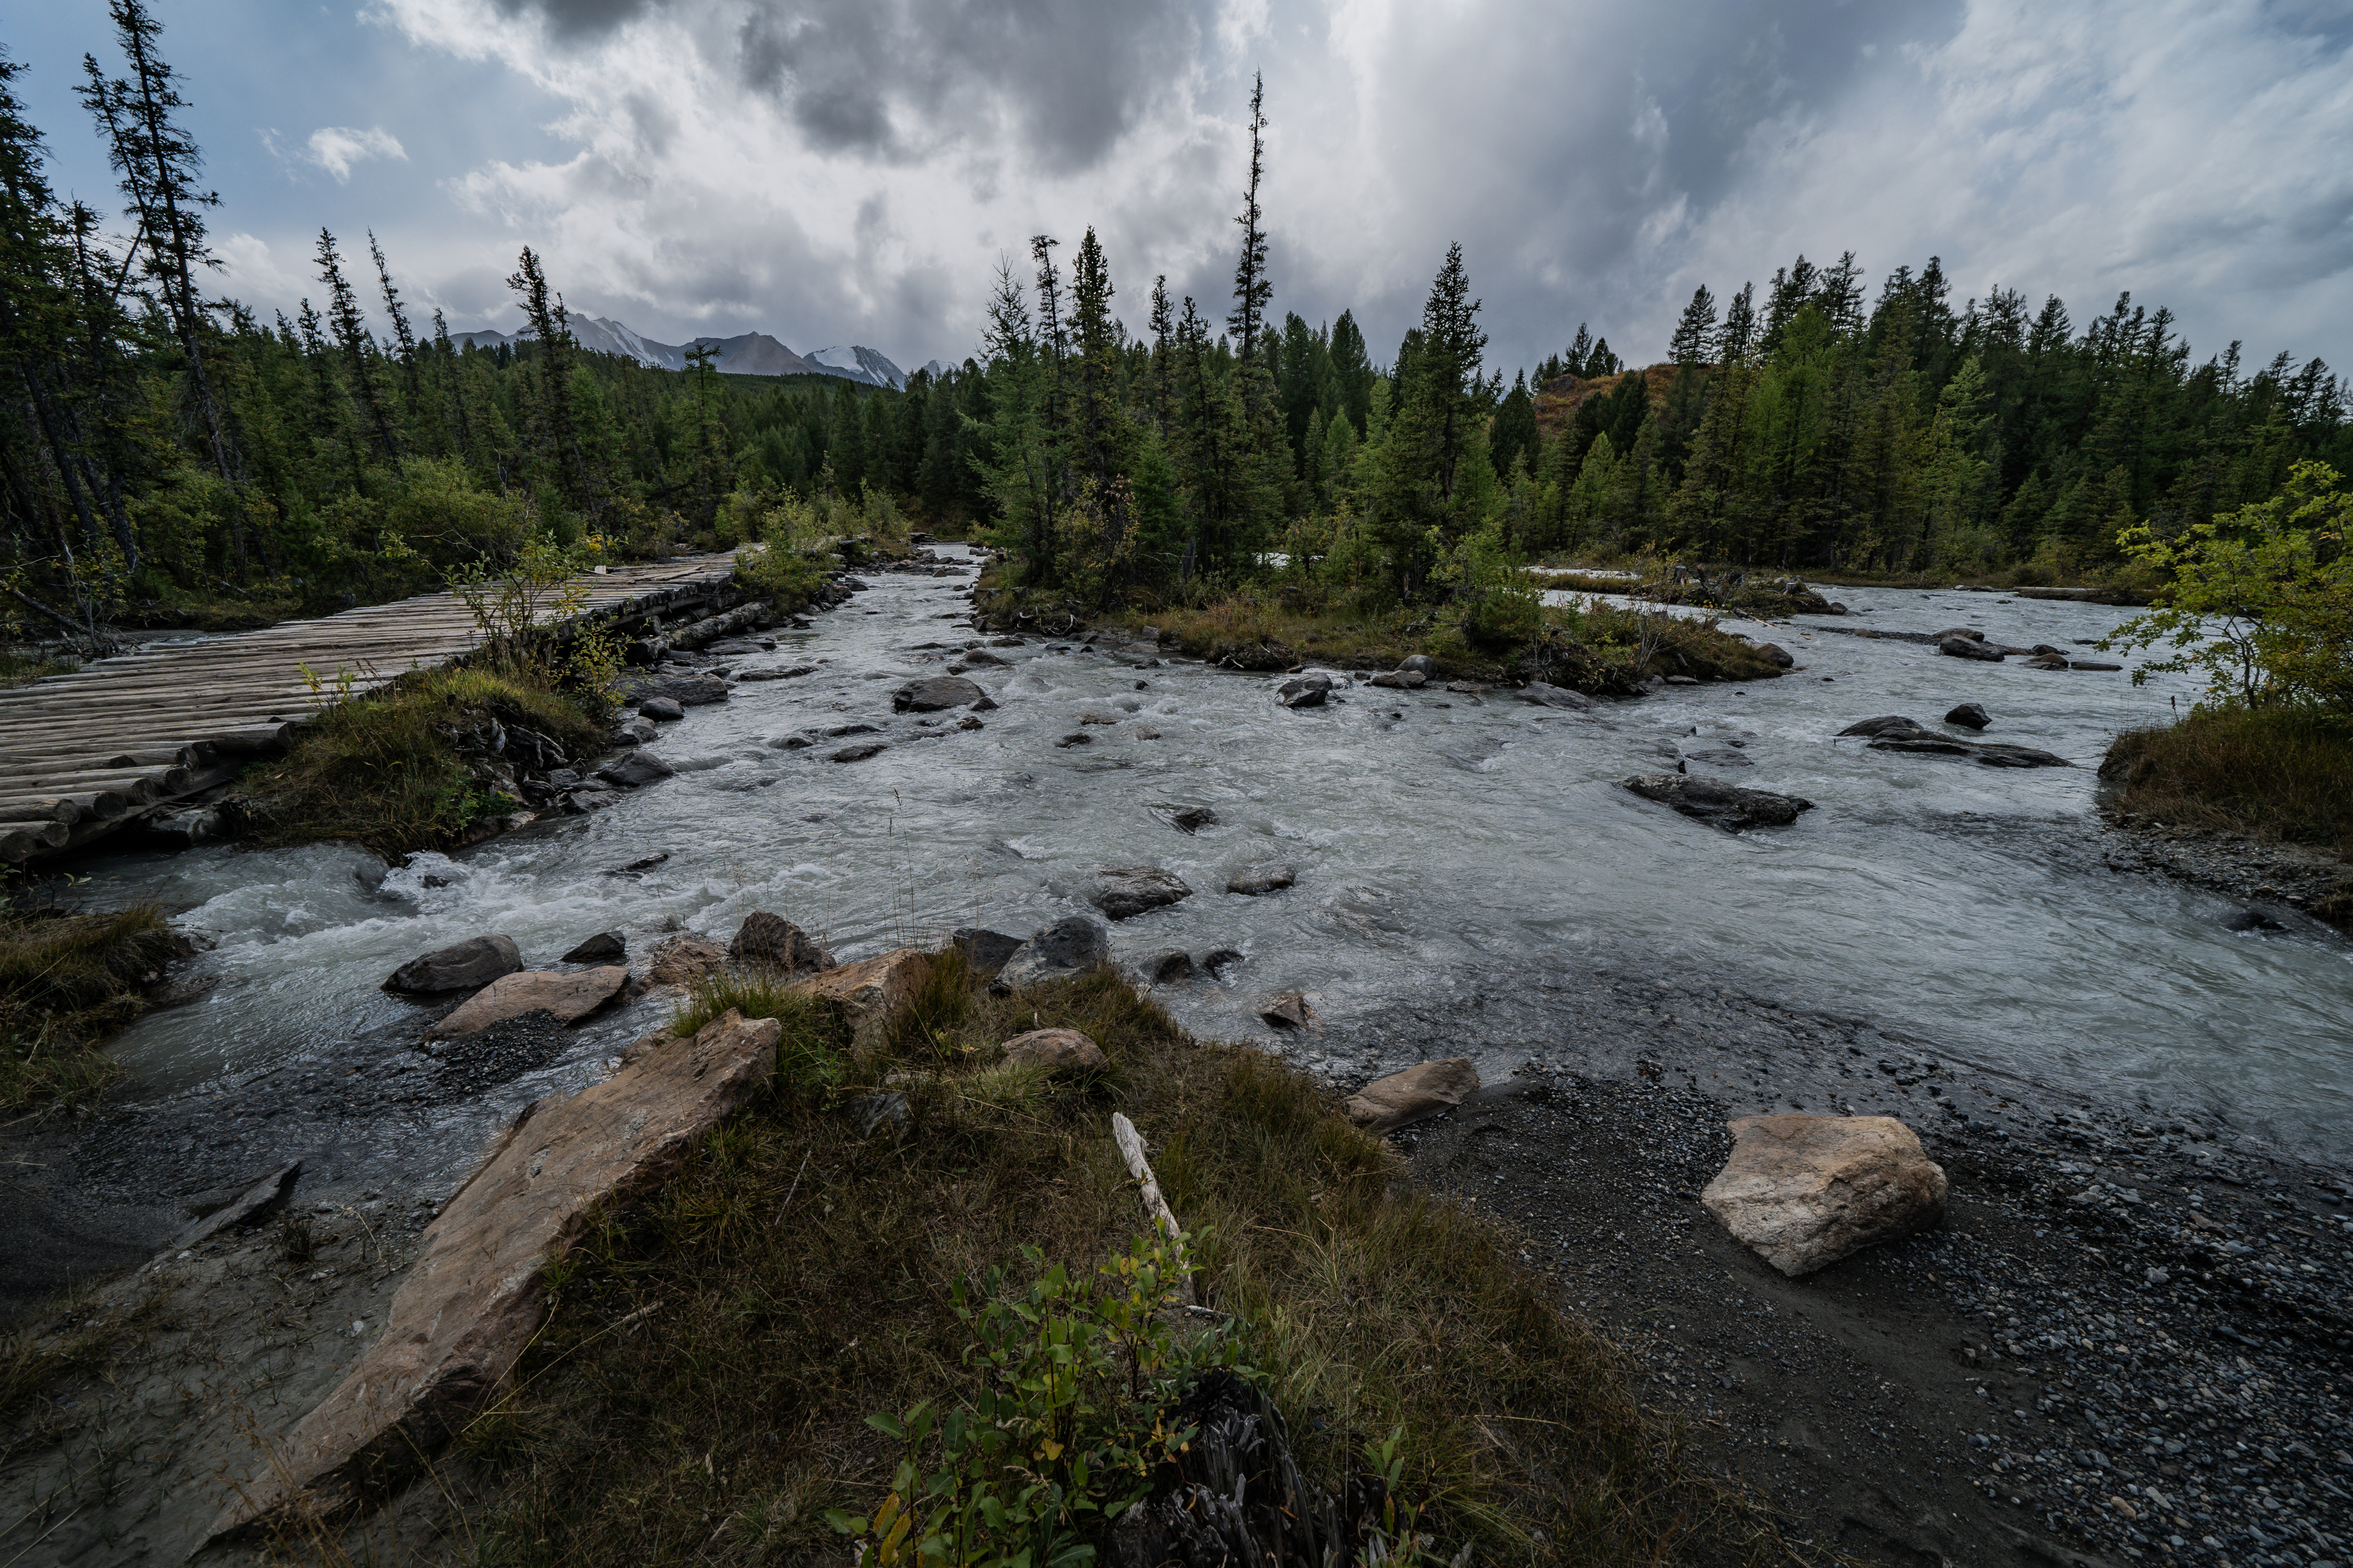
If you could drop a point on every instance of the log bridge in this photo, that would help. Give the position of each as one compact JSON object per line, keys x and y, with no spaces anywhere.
{"x":129,"y":739}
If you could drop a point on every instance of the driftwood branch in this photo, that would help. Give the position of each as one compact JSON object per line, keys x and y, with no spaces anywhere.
{"x":1131,"y":1149}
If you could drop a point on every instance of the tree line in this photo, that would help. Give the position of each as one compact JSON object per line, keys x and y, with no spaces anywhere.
{"x":164,"y":448}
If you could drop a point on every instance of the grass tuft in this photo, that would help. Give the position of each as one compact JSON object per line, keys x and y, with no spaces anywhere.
{"x":383,"y":769}
{"x":64,"y":981}
{"x":2269,"y":774}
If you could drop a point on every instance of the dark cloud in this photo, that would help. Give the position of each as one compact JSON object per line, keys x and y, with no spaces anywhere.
{"x":576,"y":20}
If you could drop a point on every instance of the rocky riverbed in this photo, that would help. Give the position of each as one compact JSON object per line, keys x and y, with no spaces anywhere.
{"x":2123,"y":1078}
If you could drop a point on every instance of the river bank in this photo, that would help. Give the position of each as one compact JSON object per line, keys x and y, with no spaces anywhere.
{"x":2122,"y":1305}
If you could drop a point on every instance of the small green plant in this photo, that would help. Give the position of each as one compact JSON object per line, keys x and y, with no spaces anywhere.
{"x":1080,"y":1378}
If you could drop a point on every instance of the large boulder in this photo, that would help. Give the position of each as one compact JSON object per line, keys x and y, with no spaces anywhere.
{"x":1953,"y":646}
{"x":772,"y":941}
{"x":476,"y":1294}
{"x":1547,"y":696}
{"x":1400,"y":680}
{"x":640,"y":767}
{"x":1421,"y":664}
{"x":1059,"y":1051}
{"x":1717,"y":803}
{"x":1125,"y":892}
{"x":687,"y":691}
{"x":1803,"y":1192}
{"x":682,"y":961}
{"x":1777,"y":653}
{"x":1070,"y":944}
{"x":1423,"y":1090}
{"x":466,"y":965}
{"x":935,"y":692}
{"x":662,"y":710}
{"x":870,"y":991}
{"x":570,"y":994}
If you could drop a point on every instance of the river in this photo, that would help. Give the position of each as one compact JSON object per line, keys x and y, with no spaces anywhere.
{"x":1433,"y":834}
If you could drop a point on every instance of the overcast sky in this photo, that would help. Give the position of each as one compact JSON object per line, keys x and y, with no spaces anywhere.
{"x":849,"y":171}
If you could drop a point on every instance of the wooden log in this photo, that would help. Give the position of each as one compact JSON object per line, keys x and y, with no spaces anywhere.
{"x":138,"y":788}
{"x":62,"y":808}
{"x":21,"y":840}
{"x":1156,"y":1207}
{"x":87,"y":805}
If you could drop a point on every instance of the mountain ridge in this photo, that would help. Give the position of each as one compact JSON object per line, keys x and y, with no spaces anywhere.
{"x":746,"y":353}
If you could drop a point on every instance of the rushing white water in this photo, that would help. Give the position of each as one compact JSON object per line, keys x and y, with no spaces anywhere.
{"x":1431,"y":833}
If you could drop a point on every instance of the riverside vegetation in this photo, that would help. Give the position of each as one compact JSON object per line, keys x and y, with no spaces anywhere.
{"x":971,"y":1270}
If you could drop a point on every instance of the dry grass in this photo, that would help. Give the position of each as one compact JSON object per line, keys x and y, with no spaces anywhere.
{"x":2271,"y":774}
{"x":701,"y":1389}
{"x":64,"y":981}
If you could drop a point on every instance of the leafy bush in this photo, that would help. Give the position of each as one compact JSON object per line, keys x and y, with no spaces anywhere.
{"x":2261,"y":600}
{"x":1079,"y":1379}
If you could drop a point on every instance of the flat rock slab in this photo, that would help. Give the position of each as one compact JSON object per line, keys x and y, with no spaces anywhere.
{"x":462,"y":966}
{"x":1718,"y":805}
{"x":255,"y":1201}
{"x":473,"y":1299}
{"x":932,"y":694}
{"x":1992,"y":753}
{"x":570,"y":994}
{"x":1059,"y":1051}
{"x":1547,"y":696}
{"x":1423,"y":1090}
{"x":1803,"y":1192}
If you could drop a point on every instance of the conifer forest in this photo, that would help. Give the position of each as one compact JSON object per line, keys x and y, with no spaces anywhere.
{"x":170,"y":458}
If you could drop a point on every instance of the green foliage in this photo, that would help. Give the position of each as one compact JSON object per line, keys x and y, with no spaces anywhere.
{"x":1078,"y":1379}
{"x":2272,"y":772}
{"x":2262,"y":602}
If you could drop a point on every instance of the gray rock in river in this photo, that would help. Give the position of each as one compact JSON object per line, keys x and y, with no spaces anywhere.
{"x":1969,"y":716}
{"x":859,"y":753}
{"x":1263,"y":878}
{"x":987,"y":951}
{"x":1420,"y":664}
{"x":637,"y":732}
{"x":1953,"y":646}
{"x":938,"y":691}
{"x":1169,"y":966}
{"x":688,"y":691}
{"x":1718,"y":805}
{"x":662,"y":709}
{"x":1186,"y":819}
{"x":1886,"y":724}
{"x":605,"y":947}
{"x":1305,"y":690}
{"x":1400,"y":680}
{"x":1067,"y":946}
{"x":1992,"y":753}
{"x":466,"y":965}
{"x":1777,"y":653}
{"x":637,"y":768}
{"x":1721,"y":757}
{"x":1124,"y":892}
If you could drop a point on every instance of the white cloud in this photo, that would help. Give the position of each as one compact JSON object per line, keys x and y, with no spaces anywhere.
{"x":249,"y":272}
{"x":335,"y":148}
{"x":850,"y":169}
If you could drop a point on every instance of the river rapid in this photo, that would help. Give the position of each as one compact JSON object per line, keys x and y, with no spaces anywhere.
{"x":1436,"y":837}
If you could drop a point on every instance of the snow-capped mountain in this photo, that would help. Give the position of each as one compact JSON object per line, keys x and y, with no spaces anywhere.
{"x":935,"y":370}
{"x":858,"y":364}
{"x":747,"y":353}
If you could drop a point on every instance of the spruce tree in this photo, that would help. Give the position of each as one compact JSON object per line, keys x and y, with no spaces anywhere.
{"x":1434,"y":479}
{"x":1580,"y":352}
{"x":1695,"y":338}
{"x":1739,"y":333}
{"x":1252,"y":287}
{"x":1513,"y":436}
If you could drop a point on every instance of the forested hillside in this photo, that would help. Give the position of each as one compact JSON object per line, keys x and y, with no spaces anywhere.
{"x":168,"y":456}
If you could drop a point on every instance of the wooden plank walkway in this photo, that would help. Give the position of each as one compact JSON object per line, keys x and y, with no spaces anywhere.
{"x":83,"y":752}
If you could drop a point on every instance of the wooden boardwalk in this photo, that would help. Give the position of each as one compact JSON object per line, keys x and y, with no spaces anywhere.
{"x":84,"y":752}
